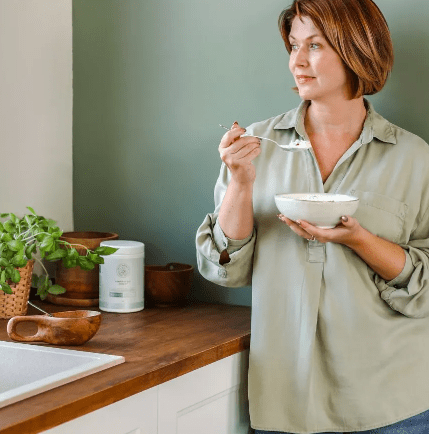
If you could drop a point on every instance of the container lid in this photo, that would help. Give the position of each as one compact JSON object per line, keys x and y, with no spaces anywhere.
{"x":125,"y":247}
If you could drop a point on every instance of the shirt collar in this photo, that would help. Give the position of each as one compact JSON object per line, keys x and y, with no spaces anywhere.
{"x":374,"y":126}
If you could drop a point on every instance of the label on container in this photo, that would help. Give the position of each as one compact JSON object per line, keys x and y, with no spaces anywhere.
{"x":122,"y":284}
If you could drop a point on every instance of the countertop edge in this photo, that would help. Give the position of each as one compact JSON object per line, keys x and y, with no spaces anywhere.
{"x":117,"y":392}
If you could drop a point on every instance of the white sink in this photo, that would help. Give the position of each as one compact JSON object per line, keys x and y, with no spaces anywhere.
{"x":27,"y":370}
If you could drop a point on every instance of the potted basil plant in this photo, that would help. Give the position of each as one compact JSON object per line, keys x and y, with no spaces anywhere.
{"x":21,"y":238}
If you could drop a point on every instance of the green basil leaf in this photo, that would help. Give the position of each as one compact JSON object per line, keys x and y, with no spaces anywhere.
{"x":3,"y":262}
{"x":70,"y":263}
{"x":6,"y":288}
{"x":29,"y":219}
{"x":72,"y":253}
{"x":40,"y":237}
{"x":31,"y":210}
{"x":96,"y":259}
{"x":57,"y":254}
{"x":56,"y":233}
{"x":51,"y":223}
{"x":8,"y":254}
{"x":15,"y":245}
{"x":5,"y":237}
{"x":29,"y":250}
{"x":3,"y":276}
{"x":42,"y":282}
{"x":85,"y":263}
{"x":16,"y":277}
{"x":56,"y":289}
{"x":19,"y":261}
{"x":9,"y":226}
{"x":105,"y":250}
{"x":47,"y":243}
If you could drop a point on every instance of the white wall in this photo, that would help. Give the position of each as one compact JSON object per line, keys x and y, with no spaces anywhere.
{"x":36,"y":100}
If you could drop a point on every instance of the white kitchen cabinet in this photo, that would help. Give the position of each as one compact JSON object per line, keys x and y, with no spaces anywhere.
{"x":209,"y":400}
{"x":136,"y":414}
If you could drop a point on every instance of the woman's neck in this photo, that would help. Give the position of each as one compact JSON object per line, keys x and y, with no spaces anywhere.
{"x":344,"y":117}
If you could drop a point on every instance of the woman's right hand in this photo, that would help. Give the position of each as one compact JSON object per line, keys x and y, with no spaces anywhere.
{"x":238,"y":152}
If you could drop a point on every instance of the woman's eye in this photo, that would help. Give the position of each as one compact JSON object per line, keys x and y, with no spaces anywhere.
{"x":313,"y":46}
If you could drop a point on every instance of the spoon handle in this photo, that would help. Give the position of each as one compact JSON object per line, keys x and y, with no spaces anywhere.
{"x":259,"y":137}
{"x":223,"y":126}
{"x":38,"y":308}
{"x":250,"y":135}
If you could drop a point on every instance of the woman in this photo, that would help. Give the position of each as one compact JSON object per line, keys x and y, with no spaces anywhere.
{"x":340,"y":317}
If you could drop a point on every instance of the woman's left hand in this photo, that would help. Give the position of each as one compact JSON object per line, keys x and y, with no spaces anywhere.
{"x":346,"y":232}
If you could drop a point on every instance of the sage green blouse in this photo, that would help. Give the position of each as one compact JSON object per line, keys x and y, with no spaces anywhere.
{"x":334,"y":347}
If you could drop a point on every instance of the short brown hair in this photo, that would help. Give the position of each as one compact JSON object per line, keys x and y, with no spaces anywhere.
{"x":357,"y":31}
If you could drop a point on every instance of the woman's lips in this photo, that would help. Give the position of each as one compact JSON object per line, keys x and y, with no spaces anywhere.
{"x":301,"y":79}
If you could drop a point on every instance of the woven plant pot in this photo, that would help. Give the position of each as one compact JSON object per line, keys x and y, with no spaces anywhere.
{"x":16,"y":303}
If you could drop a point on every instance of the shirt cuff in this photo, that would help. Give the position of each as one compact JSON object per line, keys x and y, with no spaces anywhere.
{"x":222,"y":242}
{"x":404,"y":276}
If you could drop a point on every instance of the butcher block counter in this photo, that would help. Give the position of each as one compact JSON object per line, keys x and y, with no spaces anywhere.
{"x":158,"y":344}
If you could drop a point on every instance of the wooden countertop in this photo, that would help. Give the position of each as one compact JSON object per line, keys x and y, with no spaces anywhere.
{"x":158,"y":344}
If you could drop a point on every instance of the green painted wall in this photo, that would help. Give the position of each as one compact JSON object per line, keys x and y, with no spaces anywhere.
{"x":152,"y":81}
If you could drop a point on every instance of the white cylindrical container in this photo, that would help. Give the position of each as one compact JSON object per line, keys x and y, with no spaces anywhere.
{"x":122,"y":277}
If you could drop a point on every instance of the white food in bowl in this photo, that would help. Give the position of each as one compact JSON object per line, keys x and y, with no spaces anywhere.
{"x":320,"y":209}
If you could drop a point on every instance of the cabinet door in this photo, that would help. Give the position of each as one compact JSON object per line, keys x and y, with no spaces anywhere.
{"x":209,"y":400}
{"x":133,"y":415}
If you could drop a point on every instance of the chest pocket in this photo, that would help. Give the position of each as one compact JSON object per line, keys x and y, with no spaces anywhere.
{"x":381,"y":215}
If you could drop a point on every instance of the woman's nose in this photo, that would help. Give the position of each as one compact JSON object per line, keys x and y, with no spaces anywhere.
{"x":300,"y":58}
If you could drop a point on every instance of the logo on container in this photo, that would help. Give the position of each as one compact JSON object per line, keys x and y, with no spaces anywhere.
{"x":122,"y":270}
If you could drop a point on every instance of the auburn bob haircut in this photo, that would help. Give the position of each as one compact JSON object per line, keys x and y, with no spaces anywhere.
{"x":357,"y":31}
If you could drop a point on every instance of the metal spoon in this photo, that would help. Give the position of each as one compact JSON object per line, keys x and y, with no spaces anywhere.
{"x":39,"y":308}
{"x":288,"y":147}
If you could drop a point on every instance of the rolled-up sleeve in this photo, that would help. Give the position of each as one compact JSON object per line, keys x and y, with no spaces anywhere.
{"x":211,"y":242}
{"x":408,"y":293}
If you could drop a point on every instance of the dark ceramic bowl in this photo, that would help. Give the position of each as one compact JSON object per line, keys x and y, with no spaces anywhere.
{"x":168,"y":285}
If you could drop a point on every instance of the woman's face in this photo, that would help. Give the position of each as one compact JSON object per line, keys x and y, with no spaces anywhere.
{"x":318,"y":70}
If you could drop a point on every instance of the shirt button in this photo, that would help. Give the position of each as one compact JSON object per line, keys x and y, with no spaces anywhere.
{"x":221,"y":272}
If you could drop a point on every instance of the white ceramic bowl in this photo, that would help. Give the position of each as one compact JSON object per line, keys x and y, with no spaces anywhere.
{"x":320,"y":209}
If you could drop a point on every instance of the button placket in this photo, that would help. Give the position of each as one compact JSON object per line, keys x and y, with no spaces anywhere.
{"x":316,"y":251}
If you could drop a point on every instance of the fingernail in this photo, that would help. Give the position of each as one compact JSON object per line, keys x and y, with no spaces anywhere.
{"x":298,"y":222}
{"x":344,"y":218}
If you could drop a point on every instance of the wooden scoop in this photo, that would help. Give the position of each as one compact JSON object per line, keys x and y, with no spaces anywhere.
{"x":62,"y":328}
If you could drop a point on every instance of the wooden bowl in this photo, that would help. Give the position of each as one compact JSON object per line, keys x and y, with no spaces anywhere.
{"x":168,"y":285}
{"x":63,"y":328}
